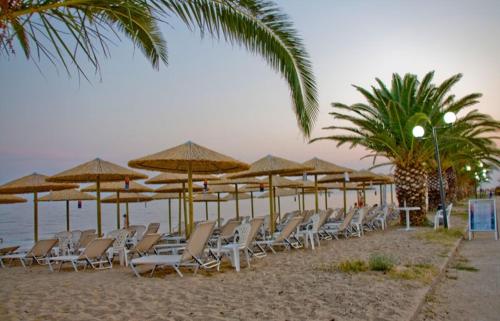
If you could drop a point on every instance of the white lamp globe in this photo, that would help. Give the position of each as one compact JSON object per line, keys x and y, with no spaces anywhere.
{"x":450,"y":117}
{"x":418,"y":131}
{"x":480,"y":164}
{"x":467,"y":168}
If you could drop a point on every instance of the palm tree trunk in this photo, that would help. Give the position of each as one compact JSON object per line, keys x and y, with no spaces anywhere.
{"x":433,"y":186}
{"x":411,"y":184}
{"x":451,"y":179}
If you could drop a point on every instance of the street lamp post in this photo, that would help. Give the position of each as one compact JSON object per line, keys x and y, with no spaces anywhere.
{"x":418,"y":132}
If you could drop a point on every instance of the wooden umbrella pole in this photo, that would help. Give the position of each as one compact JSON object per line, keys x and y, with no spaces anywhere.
{"x":184,"y":202}
{"x":179,"y":223}
{"x":190,"y":194}
{"x":271,"y":206}
{"x":326,"y":199}
{"x":218,"y":209}
{"x":67,"y":215}
{"x":303,"y":200}
{"x":251,"y":203}
{"x":316,"y":197}
{"x":274,"y":200}
{"x":279,"y":208}
{"x":127,"y":218}
{"x":98,"y":192}
{"x":35,"y":215}
{"x":345,"y":199}
{"x":380,"y":192}
{"x":298,"y":198}
{"x":364,"y":195}
{"x":206,"y":211}
{"x":118,"y":218}
{"x":237,"y":202}
{"x":170,"y":216}
{"x":392,"y":197}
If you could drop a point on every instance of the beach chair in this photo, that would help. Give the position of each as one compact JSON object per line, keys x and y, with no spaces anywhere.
{"x":39,"y":253}
{"x":93,"y":255}
{"x":85,"y":238}
{"x":152,"y":228}
{"x":138,"y":232}
{"x":226,"y":232}
{"x":311,"y":231}
{"x":63,"y":242}
{"x":358,"y":222}
{"x":340,"y":228}
{"x":193,"y":254}
{"x":438,"y":218}
{"x":143,"y":247}
{"x":119,"y":244}
{"x":283,"y":238}
{"x":245,"y":235}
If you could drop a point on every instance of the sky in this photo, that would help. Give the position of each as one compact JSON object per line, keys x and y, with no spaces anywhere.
{"x":225,"y":98}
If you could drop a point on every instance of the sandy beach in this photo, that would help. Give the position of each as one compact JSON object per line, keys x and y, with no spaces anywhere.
{"x":285,"y":286}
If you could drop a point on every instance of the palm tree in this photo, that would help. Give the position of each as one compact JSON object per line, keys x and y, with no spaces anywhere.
{"x":384,"y":124}
{"x":69,"y":31}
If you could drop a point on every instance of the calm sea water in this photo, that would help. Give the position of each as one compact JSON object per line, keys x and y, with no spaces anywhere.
{"x":16,"y":221}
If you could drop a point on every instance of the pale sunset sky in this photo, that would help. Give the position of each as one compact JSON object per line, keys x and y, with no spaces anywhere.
{"x":229,"y":100}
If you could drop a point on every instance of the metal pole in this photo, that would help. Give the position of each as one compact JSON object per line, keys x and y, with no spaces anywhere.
{"x":67,"y":216}
{"x":170,"y":216}
{"x":251,"y":203}
{"x":118,"y":210}
{"x":440,"y":175}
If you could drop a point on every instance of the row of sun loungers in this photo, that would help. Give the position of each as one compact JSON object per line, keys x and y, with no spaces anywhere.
{"x":144,"y":250}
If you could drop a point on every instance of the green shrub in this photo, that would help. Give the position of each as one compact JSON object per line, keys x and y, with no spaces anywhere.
{"x":353,"y":266}
{"x":381,"y":262}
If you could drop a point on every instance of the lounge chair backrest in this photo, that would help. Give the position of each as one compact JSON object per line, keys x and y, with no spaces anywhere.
{"x":347,"y":220}
{"x":97,"y":248}
{"x":241,"y":233}
{"x":139,"y":231}
{"x":198,"y":240}
{"x":119,"y":237}
{"x":289,"y":228}
{"x":227,"y":230}
{"x":75,"y":236}
{"x":152,"y":228}
{"x":147,"y":243}
{"x":86,"y":240}
{"x":42,"y":248}
{"x":64,"y":242}
{"x":255,"y":225}
{"x":307,"y":216}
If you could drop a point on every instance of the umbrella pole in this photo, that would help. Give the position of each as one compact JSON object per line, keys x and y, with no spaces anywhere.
{"x":251,"y":202}
{"x":271,"y":206}
{"x":186,"y":221}
{"x":206,"y":211}
{"x":35,"y":214}
{"x":303,"y":200}
{"x":392,"y":197}
{"x":98,"y":191}
{"x":326,"y":199}
{"x":345,"y":199}
{"x":67,"y":215}
{"x":190,"y":194}
{"x":279,"y":208}
{"x":218,"y":210}
{"x":127,"y":219}
{"x":118,"y":210}
{"x":316,"y":197}
{"x":364,"y":195}
{"x":380,"y":192}
{"x":179,"y":223}
{"x":170,"y":216}
{"x":274,"y":200}
{"x":237,"y":202}
{"x":298,"y":197}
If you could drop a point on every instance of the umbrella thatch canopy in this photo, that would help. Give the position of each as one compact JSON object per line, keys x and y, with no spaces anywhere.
{"x":165,"y":196}
{"x":97,"y":171}
{"x":119,"y":187}
{"x":67,"y":195}
{"x":269,"y":166}
{"x":321,"y":167}
{"x":34,"y":183}
{"x":192,"y":159}
{"x":221,"y":189}
{"x":11,"y":199}
{"x":127,"y":198}
{"x":281,"y":192}
{"x":179,"y":188}
{"x":232,"y":196}
{"x":169,"y":178}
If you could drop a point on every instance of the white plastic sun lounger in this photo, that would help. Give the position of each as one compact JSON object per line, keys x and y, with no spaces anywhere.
{"x":283,"y":237}
{"x":95,"y":255}
{"x":39,"y":253}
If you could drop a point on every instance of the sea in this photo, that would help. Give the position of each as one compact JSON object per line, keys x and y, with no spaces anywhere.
{"x":16,"y":220}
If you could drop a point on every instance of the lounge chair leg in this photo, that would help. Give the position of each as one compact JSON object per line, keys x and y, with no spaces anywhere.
{"x":178,"y":271}
{"x":1,"y":263}
{"x":50,"y":265}
{"x":132,"y":266}
{"x":23,"y":263}
{"x":74,"y":266}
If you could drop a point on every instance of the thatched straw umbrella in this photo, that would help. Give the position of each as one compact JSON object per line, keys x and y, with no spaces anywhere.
{"x":235,"y":182}
{"x":98,"y":171}
{"x":119,"y":187}
{"x":206,"y":198}
{"x":192,"y":159}
{"x":356,"y":176}
{"x":34,"y":183}
{"x":11,"y":199}
{"x":271,"y":165}
{"x":67,"y":195}
{"x":218,"y":189}
{"x":128,"y":198}
{"x":169,"y":197}
{"x":379,"y":180}
{"x":173,"y":178}
{"x":181,"y":189}
{"x":321,"y":167}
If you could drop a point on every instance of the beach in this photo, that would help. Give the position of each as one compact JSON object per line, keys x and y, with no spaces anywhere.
{"x":289,"y":285}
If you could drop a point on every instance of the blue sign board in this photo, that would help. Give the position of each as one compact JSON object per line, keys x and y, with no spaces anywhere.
{"x":482,"y":216}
